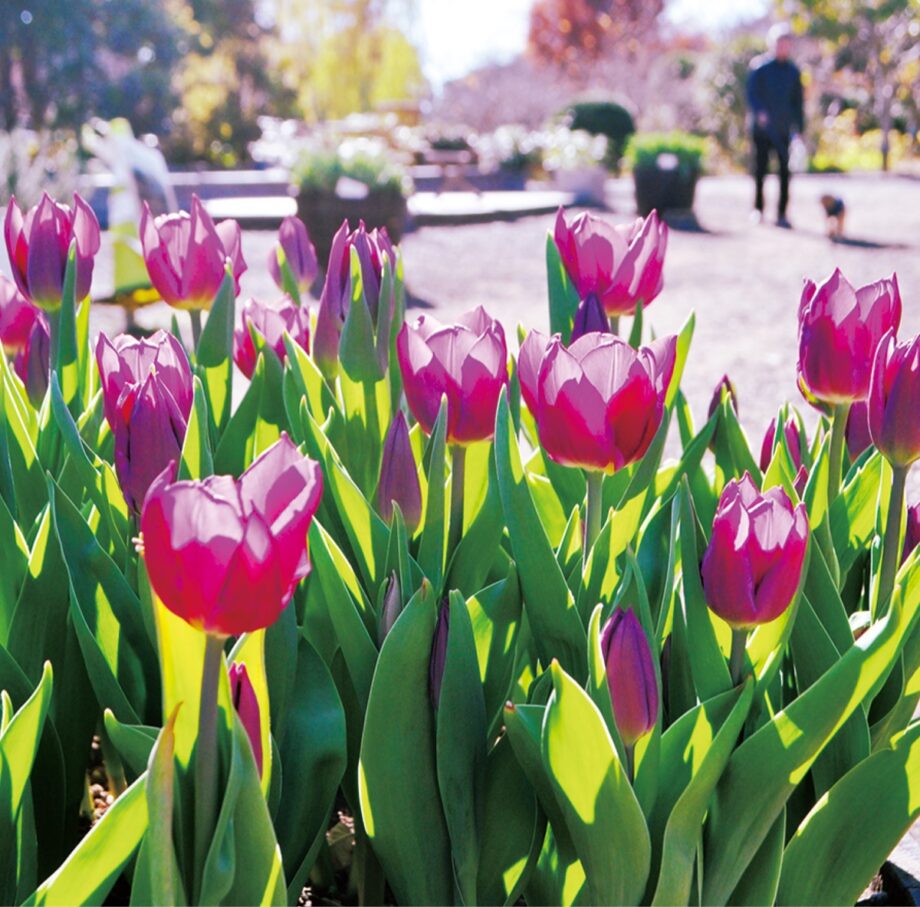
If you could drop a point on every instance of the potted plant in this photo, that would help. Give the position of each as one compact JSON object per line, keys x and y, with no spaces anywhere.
{"x":358,"y":179}
{"x":665,"y":166}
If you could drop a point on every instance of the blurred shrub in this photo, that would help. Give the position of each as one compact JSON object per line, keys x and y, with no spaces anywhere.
{"x":606,"y":118}
{"x":644,"y":149}
{"x":367,"y":161}
{"x":572,"y":149}
{"x":34,"y":162}
{"x":841,"y":147}
{"x":512,"y":148}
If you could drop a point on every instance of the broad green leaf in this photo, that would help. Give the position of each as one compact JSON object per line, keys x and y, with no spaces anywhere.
{"x":64,"y":325}
{"x":357,"y":347}
{"x":760,"y":881}
{"x":250,"y":651}
{"x":397,"y":772}
{"x":196,"y":461}
{"x":563,"y":297}
{"x":601,"y":811}
{"x":433,"y":545}
{"x":684,"y":336}
{"x":133,"y":742}
{"x":214,"y":356}
{"x":854,"y":510}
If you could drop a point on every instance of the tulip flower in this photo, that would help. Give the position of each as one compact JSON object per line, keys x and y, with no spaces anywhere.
{"x":186,"y":255}
{"x":17,"y":315}
{"x":589,"y":318}
{"x":371,"y":247}
{"x":270,"y":320}
{"x":38,"y":243}
{"x":728,"y":386}
{"x":33,"y":361}
{"x":912,"y":535}
{"x":894,"y":400}
{"x":858,"y":438}
{"x":622,"y":265}
{"x":226,"y":554}
{"x":298,"y":253}
{"x":398,"y":477}
{"x":126,"y":361}
{"x":530,"y":358}
{"x":246,"y":704}
{"x":630,"y":676}
{"x":793,"y":443}
{"x":753,"y":563}
{"x":466,"y":361}
{"x":438,"y":658}
{"x":840,"y":328}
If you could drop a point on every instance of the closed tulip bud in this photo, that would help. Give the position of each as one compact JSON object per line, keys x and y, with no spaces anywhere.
{"x":800,"y":482}
{"x":912,"y":535}
{"x":438,"y":654}
{"x":270,"y":320}
{"x":727,"y":386}
{"x":226,"y":554}
{"x":857,"y":433}
{"x":630,"y":675}
{"x":600,"y":402}
{"x":398,"y":477}
{"x":38,"y":243}
{"x":622,"y":265}
{"x":294,"y":243}
{"x":894,"y":400}
{"x":530,"y":358}
{"x":840,"y":328}
{"x":187,"y":255}
{"x":793,"y":442}
{"x":17,"y":315}
{"x":246,"y":704}
{"x":589,"y":318}
{"x":33,"y":361}
{"x":467,"y":361}
{"x":752,"y":566}
{"x":392,"y":608}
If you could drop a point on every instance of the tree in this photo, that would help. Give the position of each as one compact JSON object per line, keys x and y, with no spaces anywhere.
{"x":877,"y":40}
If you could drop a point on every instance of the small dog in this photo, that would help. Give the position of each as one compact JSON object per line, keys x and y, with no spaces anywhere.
{"x":836,"y":212}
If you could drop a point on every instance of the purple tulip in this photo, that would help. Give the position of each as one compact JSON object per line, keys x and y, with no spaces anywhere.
{"x":793,"y":442}
{"x":725,"y":384}
{"x":370,"y":246}
{"x":753,"y":564}
{"x":912,"y":535}
{"x":857,"y":432}
{"x":246,"y":704}
{"x":186,"y":255}
{"x":270,"y":320}
{"x":894,"y":400}
{"x":17,"y":315}
{"x":630,"y":675}
{"x":600,"y":402}
{"x":438,"y":657}
{"x":589,"y":318}
{"x":38,"y":243}
{"x":33,"y":361}
{"x":392,"y":608}
{"x":622,"y":265}
{"x":294,"y":242}
{"x":840,"y":328}
{"x":398,"y":477}
{"x":467,"y":361}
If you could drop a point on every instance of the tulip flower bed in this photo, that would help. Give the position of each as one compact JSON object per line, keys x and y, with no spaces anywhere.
{"x":419,"y":621}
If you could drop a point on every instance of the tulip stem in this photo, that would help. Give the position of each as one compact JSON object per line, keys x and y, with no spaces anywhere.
{"x":195,"y":316}
{"x":54,"y":328}
{"x":630,"y":762}
{"x":594,"y":506}
{"x":838,"y":438}
{"x":457,"y":478}
{"x":736,"y":662}
{"x":206,"y":777}
{"x":615,"y":324}
{"x":891,"y":550}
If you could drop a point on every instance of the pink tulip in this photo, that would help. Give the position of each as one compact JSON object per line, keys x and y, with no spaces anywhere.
{"x":33,"y":361}
{"x":246,"y":704}
{"x":600,"y":402}
{"x":186,"y":255}
{"x":17,"y":315}
{"x":530,"y":358}
{"x":270,"y":320}
{"x":793,"y":442}
{"x":398,"y":477}
{"x":38,"y":243}
{"x":630,"y":675}
{"x":299,"y":254}
{"x":753,"y":564}
{"x":894,"y":400}
{"x":622,"y":265}
{"x":226,"y":554}
{"x":839,"y":331}
{"x":466,"y":361}
{"x":857,"y":433}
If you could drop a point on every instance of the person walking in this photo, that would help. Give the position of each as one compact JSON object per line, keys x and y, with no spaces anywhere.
{"x":774,"y":94}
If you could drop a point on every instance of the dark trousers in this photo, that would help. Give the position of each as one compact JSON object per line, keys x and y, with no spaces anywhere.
{"x":763,"y":145}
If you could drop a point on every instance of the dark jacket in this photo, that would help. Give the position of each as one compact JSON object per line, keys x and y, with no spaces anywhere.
{"x":774,"y":87}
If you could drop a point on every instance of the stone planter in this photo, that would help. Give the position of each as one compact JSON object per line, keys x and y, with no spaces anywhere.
{"x":665,"y":186}
{"x":585,"y":184}
{"x":323,"y":212}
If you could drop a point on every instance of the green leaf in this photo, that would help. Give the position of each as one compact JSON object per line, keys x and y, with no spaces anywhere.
{"x":748,"y":800}
{"x":196,"y":461}
{"x":852,"y":829}
{"x":433,"y":544}
{"x":214,"y":356}
{"x":461,"y":747}
{"x":563,"y":297}
{"x":132,"y":741}
{"x":88,"y":874}
{"x":684,"y":336}
{"x":601,"y":811}
{"x":760,"y":881}
{"x":854,"y":510}
{"x":397,"y":772}
{"x":357,"y":347}
{"x":549,"y":603}
{"x":63,"y":322}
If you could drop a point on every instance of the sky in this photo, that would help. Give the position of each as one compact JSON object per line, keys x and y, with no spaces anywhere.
{"x":456,"y":37}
